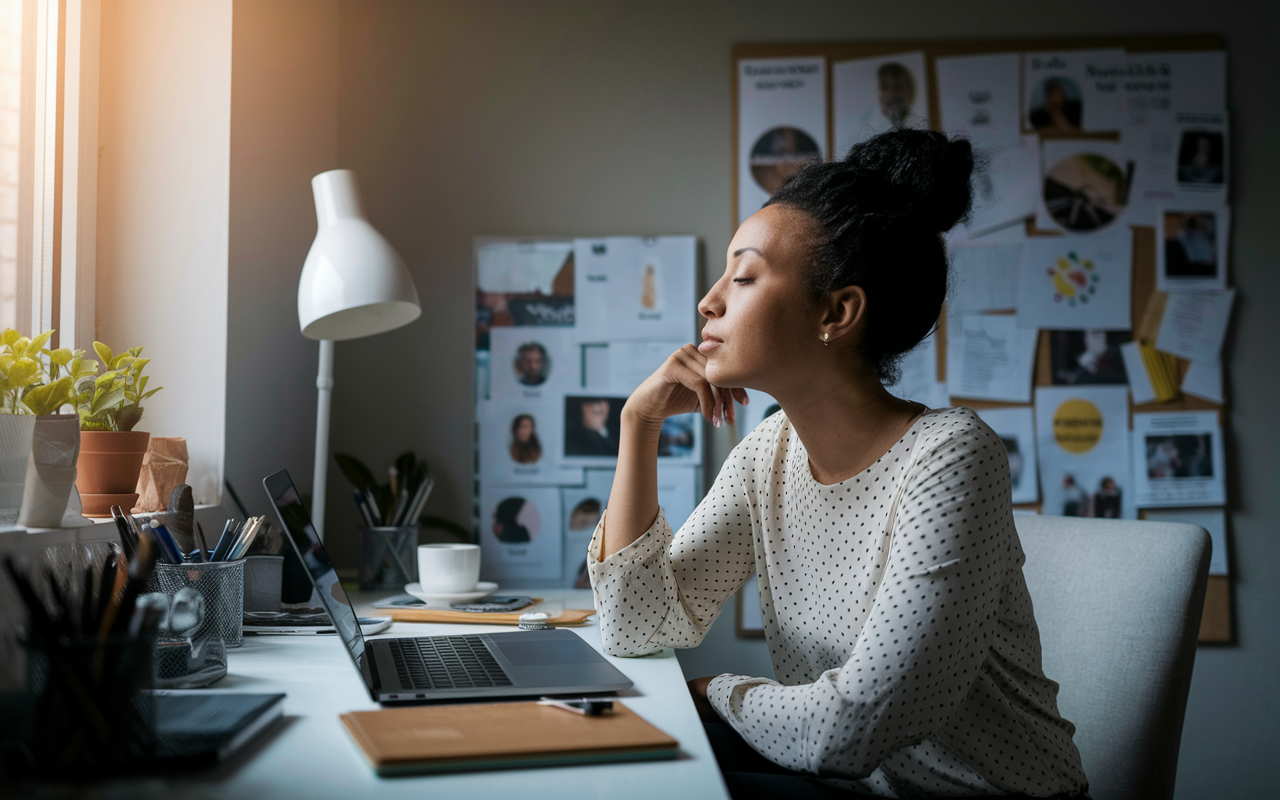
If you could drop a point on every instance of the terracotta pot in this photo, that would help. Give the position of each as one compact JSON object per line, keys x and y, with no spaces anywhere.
{"x":110,"y":461}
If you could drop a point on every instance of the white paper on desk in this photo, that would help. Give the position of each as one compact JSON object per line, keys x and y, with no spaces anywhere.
{"x":1195,"y":323}
{"x":581,"y":509}
{"x":1084,"y":189}
{"x":1136,"y":369}
{"x":1016,"y":428}
{"x":978,"y":98}
{"x":873,"y":95}
{"x":520,"y":533}
{"x":1213,"y":520}
{"x":985,"y":277}
{"x":533,"y":363}
{"x":782,"y":124}
{"x":1076,"y":282}
{"x":1082,"y":439}
{"x":1191,"y":247}
{"x":919,"y":376}
{"x":1178,"y":459}
{"x":628,"y":288}
{"x":1204,"y":379}
{"x":1156,"y":85}
{"x":520,"y":443}
{"x":1006,"y":187}
{"x":1073,"y":90}
{"x":990,"y":358}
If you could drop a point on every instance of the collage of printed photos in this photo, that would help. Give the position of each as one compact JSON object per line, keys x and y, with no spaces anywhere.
{"x":1078,"y":149}
{"x":565,"y":331}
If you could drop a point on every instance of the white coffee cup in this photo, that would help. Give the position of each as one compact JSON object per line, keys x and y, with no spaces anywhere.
{"x":448,"y":568}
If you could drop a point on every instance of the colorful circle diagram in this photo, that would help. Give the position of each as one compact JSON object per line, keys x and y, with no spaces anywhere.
{"x":1074,"y":279}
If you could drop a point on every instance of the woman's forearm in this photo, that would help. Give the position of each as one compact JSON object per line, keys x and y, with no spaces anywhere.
{"x":633,"y":501}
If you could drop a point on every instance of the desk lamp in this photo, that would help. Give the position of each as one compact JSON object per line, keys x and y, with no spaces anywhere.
{"x":354,"y":284}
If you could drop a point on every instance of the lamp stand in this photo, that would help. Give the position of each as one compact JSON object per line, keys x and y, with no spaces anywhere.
{"x":324,"y":385}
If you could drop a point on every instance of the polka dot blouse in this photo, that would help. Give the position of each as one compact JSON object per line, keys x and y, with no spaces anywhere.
{"x":906,"y":650}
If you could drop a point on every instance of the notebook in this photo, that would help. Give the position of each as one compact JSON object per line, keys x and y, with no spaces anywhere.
{"x":197,"y":728}
{"x":454,"y":738}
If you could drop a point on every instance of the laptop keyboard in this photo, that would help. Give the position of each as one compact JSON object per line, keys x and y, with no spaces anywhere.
{"x":446,"y":662}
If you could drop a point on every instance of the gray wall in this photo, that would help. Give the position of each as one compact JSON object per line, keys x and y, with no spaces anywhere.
{"x":593,"y":118}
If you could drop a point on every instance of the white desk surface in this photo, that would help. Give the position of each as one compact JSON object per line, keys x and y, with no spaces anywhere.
{"x":309,"y":755}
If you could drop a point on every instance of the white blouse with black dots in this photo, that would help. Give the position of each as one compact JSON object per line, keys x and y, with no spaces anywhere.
{"x":908,"y":662}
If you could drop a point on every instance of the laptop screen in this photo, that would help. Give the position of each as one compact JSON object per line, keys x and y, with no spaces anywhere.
{"x":297,"y":524}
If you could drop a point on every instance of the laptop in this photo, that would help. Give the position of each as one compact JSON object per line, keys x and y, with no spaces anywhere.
{"x":424,"y":669}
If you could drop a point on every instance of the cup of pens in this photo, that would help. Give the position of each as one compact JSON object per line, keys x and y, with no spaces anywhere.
{"x":389,"y":535}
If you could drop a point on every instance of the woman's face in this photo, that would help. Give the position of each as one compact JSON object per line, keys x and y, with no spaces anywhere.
{"x":761,"y":321}
{"x":524,"y":429}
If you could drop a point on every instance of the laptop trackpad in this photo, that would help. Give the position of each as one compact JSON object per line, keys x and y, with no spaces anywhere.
{"x":548,"y":653}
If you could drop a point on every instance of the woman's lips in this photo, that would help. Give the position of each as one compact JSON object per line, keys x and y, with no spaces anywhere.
{"x":709,"y":344}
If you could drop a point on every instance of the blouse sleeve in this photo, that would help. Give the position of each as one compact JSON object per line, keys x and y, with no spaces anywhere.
{"x":928,"y":632}
{"x":665,"y":591}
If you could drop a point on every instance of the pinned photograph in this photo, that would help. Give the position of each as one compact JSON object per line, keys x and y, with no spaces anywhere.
{"x":583,"y":507}
{"x":532,"y":363}
{"x":1085,"y":187}
{"x":520,"y":444}
{"x":522,"y":284}
{"x":1088,"y":357}
{"x":873,"y":95}
{"x":1017,"y":431}
{"x":678,"y":438}
{"x":634,"y":289}
{"x":1178,"y":459}
{"x":1082,"y":440}
{"x":1202,"y":158}
{"x":1072,"y":91}
{"x":782,"y":124}
{"x":520,"y":533}
{"x":591,"y":426}
{"x":1191,"y":250}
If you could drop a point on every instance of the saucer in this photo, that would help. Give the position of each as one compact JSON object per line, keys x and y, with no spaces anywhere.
{"x":435,"y":600}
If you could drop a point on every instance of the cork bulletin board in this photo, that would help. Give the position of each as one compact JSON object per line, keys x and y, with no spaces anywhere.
{"x":1167,"y":372}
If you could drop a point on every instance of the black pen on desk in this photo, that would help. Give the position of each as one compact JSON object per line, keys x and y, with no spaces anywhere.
{"x":205,"y":553}
{"x":224,"y":541}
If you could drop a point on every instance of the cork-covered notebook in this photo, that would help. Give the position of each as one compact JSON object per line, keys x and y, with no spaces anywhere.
{"x":453,"y":738}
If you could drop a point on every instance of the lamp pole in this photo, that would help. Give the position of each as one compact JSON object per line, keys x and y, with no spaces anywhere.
{"x":324,"y":390}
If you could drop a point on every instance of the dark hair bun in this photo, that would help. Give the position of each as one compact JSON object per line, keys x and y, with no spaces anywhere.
{"x":878,"y":215}
{"x":926,"y":174}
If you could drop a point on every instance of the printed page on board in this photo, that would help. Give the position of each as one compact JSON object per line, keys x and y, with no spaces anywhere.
{"x":1016,"y":428}
{"x":1195,"y":323}
{"x":1082,"y":439}
{"x":978,"y":98}
{"x":1178,"y":459}
{"x":1072,"y":91}
{"x":873,"y":95}
{"x":520,"y":533}
{"x":1076,"y":282}
{"x":633,"y":289}
{"x":1084,"y":187}
{"x":782,"y":124}
{"x":990,"y":358}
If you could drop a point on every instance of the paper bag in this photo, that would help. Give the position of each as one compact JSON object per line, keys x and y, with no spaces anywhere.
{"x":163,"y":467}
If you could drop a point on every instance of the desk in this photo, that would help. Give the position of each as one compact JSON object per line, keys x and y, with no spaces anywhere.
{"x":311,"y":756}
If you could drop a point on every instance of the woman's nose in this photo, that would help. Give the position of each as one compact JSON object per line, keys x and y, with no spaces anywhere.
{"x":711,"y":305}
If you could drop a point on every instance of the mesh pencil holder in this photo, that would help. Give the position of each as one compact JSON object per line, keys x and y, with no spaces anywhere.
{"x":221,"y":584}
{"x":388,"y":557}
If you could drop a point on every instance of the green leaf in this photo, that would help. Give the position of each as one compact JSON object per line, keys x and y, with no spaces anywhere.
{"x":103,"y":352}
{"x":49,"y":398}
{"x":10,"y":337}
{"x":355,"y":471}
{"x":38,"y":343}
{"x":106,"y":401}
{"x":128,"y":417}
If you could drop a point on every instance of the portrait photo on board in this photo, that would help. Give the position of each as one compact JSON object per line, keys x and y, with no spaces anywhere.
{"x":1201,"y":161}
{"x":780,"y":153}
{"x":1056,"y":105}
{"x":525,"y":446}
{"x":515,"y":520}
{"x":1087,"y":357}
{"x":1191,"y":251}
{"x":591,"y":426}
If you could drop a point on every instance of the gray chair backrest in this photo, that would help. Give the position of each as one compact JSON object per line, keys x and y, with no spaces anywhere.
{"x":1118,"y":603}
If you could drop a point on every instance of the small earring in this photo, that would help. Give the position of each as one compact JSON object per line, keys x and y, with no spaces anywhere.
{"x":825,"y":337}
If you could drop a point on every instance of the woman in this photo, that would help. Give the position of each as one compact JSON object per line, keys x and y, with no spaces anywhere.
{"x":525,"y":447}
{"x":890,"y":573}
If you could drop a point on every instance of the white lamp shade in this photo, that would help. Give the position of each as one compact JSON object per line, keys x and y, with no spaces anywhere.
{"x":353,"y":283}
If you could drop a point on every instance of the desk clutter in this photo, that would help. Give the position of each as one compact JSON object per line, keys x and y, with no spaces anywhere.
{"x":1090,"y":297}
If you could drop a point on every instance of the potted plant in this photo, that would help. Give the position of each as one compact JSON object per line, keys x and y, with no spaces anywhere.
{"x":55,"y":444}
{"x":19,"y":370}
{"x":111,"y":451}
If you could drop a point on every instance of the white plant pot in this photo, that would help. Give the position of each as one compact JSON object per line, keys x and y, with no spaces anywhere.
{"x":15,"y":451}
{"x":51,"y":472}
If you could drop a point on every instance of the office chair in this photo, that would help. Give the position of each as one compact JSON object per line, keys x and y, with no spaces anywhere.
{"x":1118,"y":603}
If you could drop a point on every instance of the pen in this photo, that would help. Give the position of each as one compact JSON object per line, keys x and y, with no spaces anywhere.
{"x":205,"y":553}
{"x":587,"y":706}
{"x":170,"y":548}
{"x":373,"y":505}
{"x":362,"y":505}
{"x":224,"y":541}
{"x":420,"y":500}
{"x":122,"y":528}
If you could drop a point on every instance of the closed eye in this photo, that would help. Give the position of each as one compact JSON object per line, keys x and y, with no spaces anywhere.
{"x":744,"y":280}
